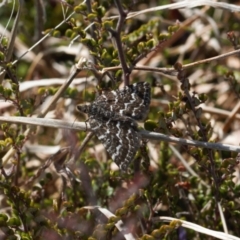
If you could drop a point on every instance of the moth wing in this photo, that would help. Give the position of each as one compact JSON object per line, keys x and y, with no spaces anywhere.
{"x":120,"y":140}
{"x":132,"y":101}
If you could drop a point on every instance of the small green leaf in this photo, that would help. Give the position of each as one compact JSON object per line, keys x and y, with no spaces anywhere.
{"x":141,"y":46}
{"x":80,"y":8}
{"x":56,"y":34}
{"x":68,"y":33}
{"x":150,"y":125}
{"x":92,"y":16}
{"x":13,"y":222}
{"x":4,"y":42}
{"x":107,"y":24}
{"x":2,"y":56}
{"x":163,"y":36}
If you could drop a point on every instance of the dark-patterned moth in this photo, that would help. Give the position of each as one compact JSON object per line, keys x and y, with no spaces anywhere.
{"x":112,"y":117}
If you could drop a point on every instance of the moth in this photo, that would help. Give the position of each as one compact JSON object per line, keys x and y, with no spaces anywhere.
{"x":112,"y":117}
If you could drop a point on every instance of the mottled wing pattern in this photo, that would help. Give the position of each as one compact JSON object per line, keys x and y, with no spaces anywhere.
{"x":132,"y":101}
{"x":120,"y":140}
{"x":112,"y":118}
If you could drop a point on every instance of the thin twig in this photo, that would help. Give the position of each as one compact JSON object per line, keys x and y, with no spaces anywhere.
{"x":84,"y":142}
{"x":186,"y":165}
{"x":13,"y":36}
{"x":223,"y":220}
{"x":117,"y":36}
{"x":92,"y":28}
{"x":206,"y":109}
{"x":196,"y":227}
{"x":183,"y":4}
{"x":231,"y":117}
{"x":172,"y":71}
{"x":216,"y":146}
{"x":145,"y":134}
